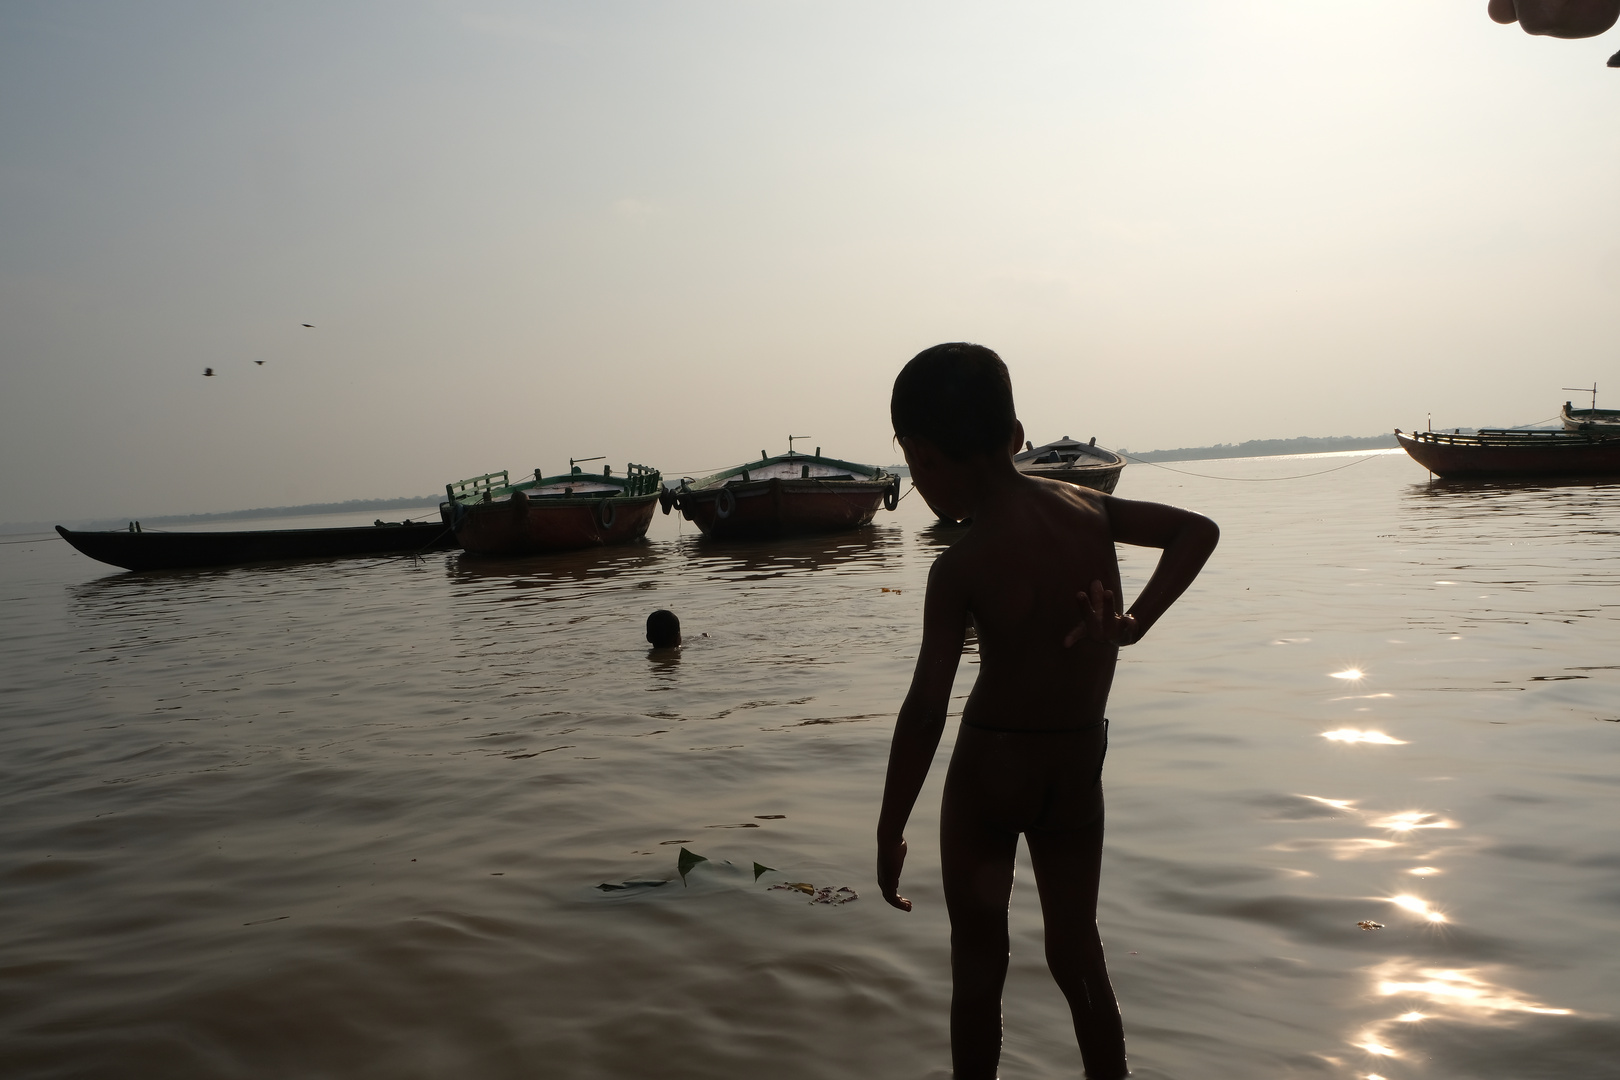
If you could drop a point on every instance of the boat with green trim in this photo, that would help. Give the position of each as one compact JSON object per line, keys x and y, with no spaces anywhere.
{"x":492,"y":515}
{"x":785,"y":495}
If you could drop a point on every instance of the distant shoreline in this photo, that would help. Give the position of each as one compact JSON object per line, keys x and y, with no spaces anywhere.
{"x":1266,"y":448}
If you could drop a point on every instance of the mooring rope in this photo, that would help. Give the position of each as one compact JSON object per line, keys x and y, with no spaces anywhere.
{"x":1249,"y":479}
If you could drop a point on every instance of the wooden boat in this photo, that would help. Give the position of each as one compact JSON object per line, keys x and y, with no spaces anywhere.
{"x":1513,"y":453}
{"x":785,"y":495}
{"x":1082,"y":464}
{"x":493,"y":516}
{"x":141,"y":550}
{"x":1597,"y":421}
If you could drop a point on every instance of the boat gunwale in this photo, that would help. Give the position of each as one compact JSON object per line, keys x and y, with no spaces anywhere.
{"x":730,"y":478}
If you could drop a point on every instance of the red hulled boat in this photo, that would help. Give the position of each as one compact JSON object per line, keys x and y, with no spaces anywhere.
{"x":789,"y":494}
{"x":493,"y":516}
{"x":1513,"y":453}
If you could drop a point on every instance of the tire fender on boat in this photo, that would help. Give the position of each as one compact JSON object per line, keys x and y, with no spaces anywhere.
{"x":891,"y":495}
{"x":605,"y":512}
{"x":666,"y":500}
{"x":724,"y":503}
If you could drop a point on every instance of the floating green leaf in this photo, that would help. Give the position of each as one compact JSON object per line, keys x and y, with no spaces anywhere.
{"x":685,"y":863}
{"x":760,"y":868}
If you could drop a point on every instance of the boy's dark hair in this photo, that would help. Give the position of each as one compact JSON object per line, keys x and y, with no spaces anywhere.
{"x":663,"y":629}
{"x":958,"y":396}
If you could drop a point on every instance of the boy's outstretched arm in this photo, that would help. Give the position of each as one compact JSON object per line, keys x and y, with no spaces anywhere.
{"x":1186,"y":540}
{"x":921,"y":721}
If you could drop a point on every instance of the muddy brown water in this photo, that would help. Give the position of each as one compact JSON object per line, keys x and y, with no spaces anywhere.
{"x":349,"y":819}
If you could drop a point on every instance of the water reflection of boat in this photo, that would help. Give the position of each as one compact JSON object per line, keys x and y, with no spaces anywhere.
{"x":1081,"y":464}
{"x":493,"y":516}
{"x":141,"y":550}
{"x":861,"y":550}
{"x":1513,"y":453}
{"x":579,"y":566}
{"x":790,"y":494}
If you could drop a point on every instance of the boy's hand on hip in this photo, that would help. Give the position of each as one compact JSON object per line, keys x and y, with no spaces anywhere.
{"x":1100,"y":622}
{"x":891,"y":857}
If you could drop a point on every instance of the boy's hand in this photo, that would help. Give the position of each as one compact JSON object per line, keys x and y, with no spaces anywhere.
{"x":891,"y":857}
{"x":1100,"y":622}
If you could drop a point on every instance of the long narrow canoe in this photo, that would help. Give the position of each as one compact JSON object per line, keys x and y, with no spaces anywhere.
{"x":1518,"y":453}
{"x":189,"y":550}
{"x":493,"y":516}
{"x":786,"y":495}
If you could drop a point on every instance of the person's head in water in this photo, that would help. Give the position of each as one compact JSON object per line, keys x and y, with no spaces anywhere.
{"x":663,"y":629}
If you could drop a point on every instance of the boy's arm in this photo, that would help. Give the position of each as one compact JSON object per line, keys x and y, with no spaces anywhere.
{"x":921,"y":721}
{"x":1186,"y":539}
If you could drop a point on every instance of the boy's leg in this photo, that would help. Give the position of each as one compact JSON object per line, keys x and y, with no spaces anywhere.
{"x":1067,"y":867}
{"x":977,"y":860}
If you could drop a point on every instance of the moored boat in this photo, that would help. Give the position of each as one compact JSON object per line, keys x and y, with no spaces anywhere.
{"x":492,"y":515}
{"x":1513,"y":453}
{"x":1595,"y":420}
{"x":785,"y":495}
{"x":1081,"y":464}
{"x":145,"y":550}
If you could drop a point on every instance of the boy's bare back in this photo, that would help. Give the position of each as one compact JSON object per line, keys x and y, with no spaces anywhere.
{"x":1017,"y":572}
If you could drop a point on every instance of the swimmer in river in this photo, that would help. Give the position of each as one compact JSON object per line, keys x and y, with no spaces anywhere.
{"x":664,"y":630}
{"x":1037,"y":575}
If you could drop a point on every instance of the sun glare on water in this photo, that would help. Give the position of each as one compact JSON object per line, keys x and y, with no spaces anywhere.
{"x":1351,"y":735}
{"x":1351,"y":674}
{"x":1417,"y":907}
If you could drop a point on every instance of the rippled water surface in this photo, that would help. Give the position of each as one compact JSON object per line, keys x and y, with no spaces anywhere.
{"x":348,"y":819}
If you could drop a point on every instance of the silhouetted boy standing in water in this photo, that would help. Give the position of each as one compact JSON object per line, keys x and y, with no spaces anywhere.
{"x":1037,"y":574}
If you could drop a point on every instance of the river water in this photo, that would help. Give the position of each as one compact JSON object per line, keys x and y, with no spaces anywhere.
{"x":350,"y":819}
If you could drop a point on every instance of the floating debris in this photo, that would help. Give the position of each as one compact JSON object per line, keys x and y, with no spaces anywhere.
{"x":1368,"y":924}
{"x":760,"y":868}
{"x":607,"y":887}
{"x":843,"y":894}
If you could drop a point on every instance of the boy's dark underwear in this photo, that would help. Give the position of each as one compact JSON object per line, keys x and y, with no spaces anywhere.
{"x":1021,"y":779}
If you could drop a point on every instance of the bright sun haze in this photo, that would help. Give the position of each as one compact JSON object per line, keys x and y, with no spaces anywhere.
{"x":673,"y":234}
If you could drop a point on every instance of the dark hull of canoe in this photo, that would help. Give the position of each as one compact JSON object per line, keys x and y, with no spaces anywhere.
{"x":1103,"y":476}
{"x":777,"y":507}
{"x":517,"y":527}
{"x":193,"y":550}
{"x":1552,"y":454}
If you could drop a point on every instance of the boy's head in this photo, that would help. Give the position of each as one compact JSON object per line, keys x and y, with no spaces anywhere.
{"x":663,"y":629}
{"x":957,"y":396}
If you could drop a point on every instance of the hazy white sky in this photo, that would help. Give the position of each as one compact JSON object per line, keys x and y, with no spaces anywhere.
{"x":674,"y":233}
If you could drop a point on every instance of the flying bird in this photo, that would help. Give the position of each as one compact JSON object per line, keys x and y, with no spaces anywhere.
{"x":310,"y":325}
{"x":259,"y":362}
{"x":208,"y":371}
